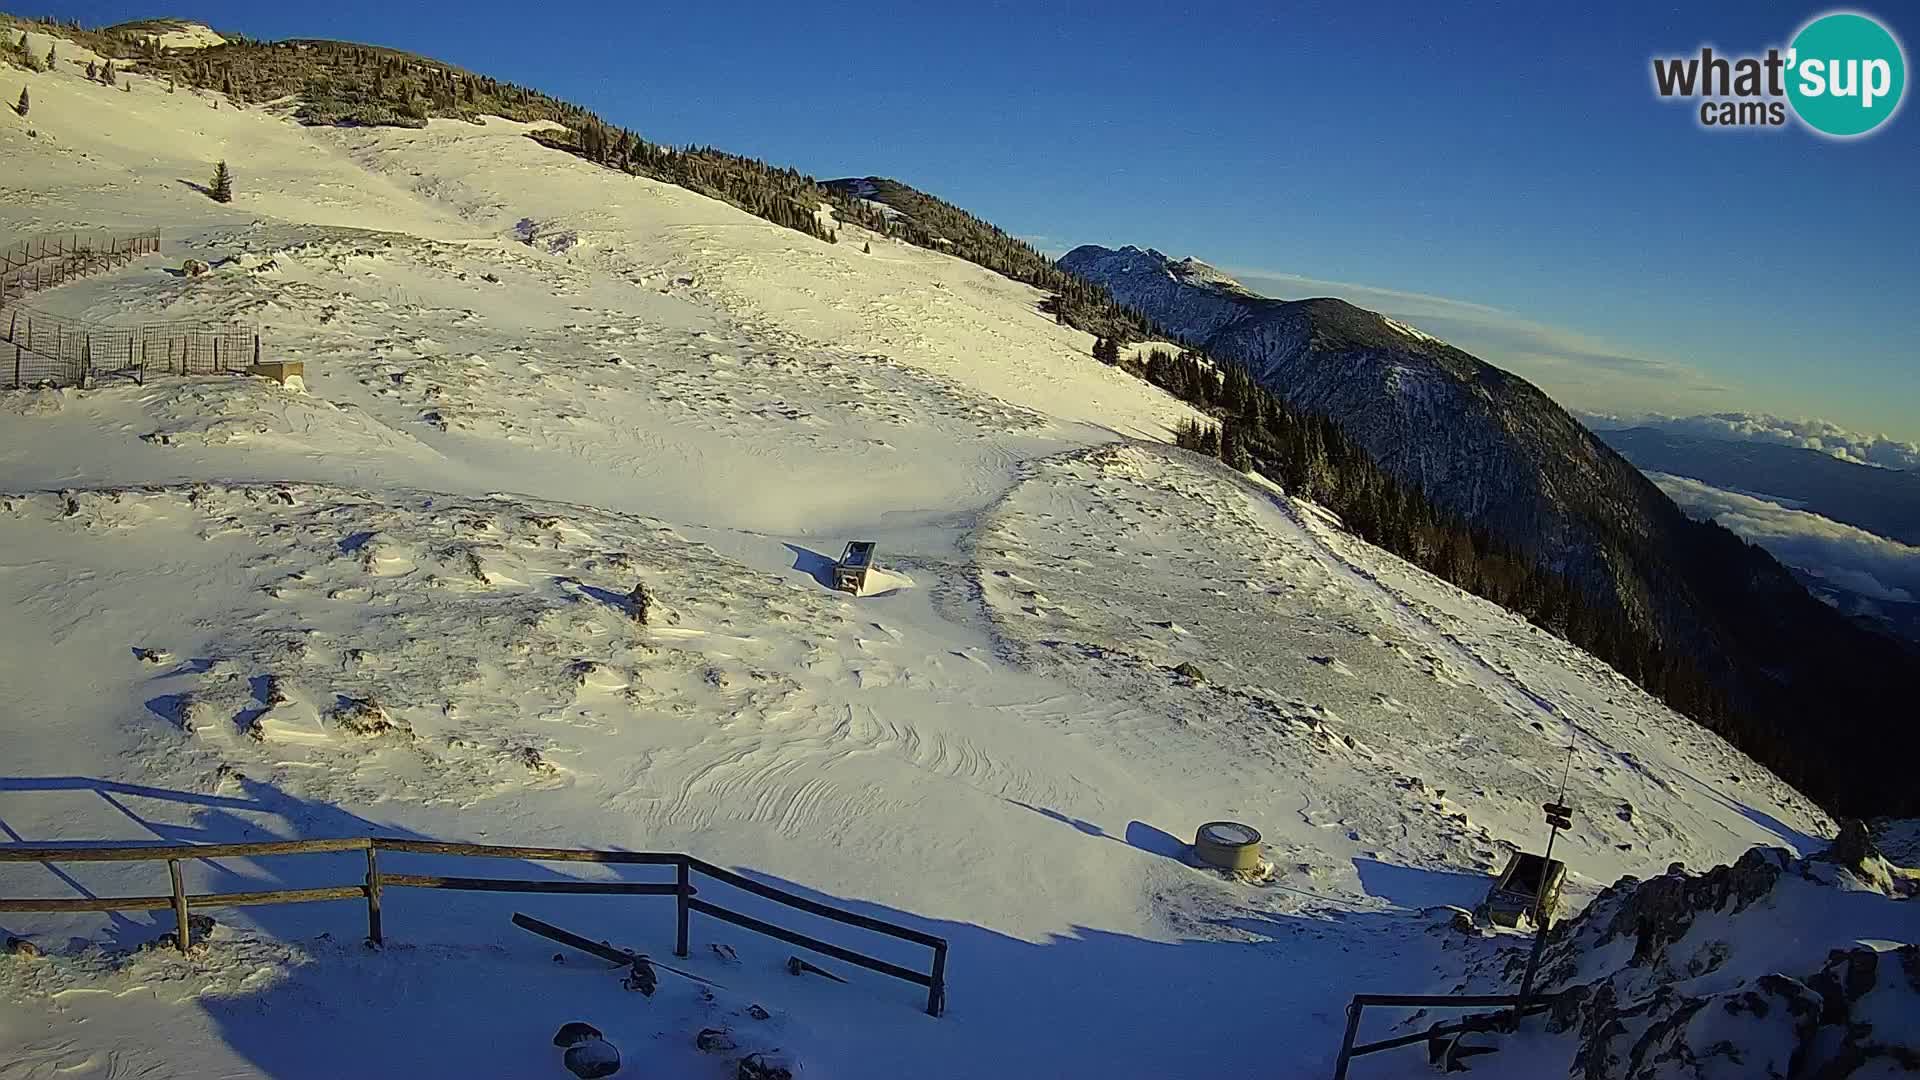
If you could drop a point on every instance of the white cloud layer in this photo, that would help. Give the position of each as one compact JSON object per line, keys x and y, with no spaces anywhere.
{"x":1821,"y":435}
{"x":1853,"y":559}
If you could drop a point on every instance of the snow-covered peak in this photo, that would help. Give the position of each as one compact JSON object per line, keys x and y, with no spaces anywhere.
{"x":190,"y":35}
{"x":171,"y":33}
{"x":1192,"y":271}
{"x":1096,"y":262}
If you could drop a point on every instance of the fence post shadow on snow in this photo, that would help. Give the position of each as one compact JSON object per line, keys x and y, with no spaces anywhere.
{"x":371,"y":841}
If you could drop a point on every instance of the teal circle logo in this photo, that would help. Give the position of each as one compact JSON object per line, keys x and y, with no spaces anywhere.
{"x":1845,"y":75}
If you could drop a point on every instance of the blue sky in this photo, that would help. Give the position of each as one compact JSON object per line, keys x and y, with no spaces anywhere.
{"x":1500,"y":174}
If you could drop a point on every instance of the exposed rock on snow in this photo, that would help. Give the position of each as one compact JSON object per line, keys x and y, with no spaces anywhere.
{"x":1685,"y":975}
{"x":592,"y":1058}
{"x":365,"y":717}
{"x":767,"y":1066}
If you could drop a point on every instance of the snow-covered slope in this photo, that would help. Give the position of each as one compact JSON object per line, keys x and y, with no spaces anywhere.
{"x":533,"y":384}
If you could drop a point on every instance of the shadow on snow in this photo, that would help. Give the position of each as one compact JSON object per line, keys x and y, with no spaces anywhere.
{"x":459,"y":991}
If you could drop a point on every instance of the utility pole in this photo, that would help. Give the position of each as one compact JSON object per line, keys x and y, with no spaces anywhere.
{"x":1559,"y":816}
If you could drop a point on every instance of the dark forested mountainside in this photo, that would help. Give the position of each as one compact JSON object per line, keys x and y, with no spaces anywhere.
{"x":1475,"y":474}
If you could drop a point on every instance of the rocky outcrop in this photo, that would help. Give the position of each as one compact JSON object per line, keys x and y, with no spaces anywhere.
{"x":1684,"y":999}
{"x":1659,"y":913}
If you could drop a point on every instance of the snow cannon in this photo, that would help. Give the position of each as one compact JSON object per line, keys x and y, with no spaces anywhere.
{"x":1228,"y":845}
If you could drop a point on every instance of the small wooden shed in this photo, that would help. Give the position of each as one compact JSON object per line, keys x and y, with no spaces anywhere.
{"x":1528,"y":880}
{"x":850,"y":573}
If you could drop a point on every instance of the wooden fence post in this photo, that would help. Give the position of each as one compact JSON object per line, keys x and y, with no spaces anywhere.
{"x":179,"y":905}
{"x":373,"y":894}
{"x":680,"y":901}
{"x":256,"y":348}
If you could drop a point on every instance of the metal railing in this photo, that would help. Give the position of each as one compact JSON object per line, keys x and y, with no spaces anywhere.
{"x":1511,"y":1002}
{"x":377,"y":881}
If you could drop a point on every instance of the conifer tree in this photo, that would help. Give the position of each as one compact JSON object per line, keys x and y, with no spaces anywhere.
{"x":52,"y":56}
{"x":222,"y":190}
{"x":22,"y":107}
{"x":106,"y":74}
{"x":865,"y":248}
{"x":1233,"y":447}
{"x":93,"y":70}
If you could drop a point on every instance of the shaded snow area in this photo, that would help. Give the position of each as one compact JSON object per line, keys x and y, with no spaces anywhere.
{"x":400,"y":600}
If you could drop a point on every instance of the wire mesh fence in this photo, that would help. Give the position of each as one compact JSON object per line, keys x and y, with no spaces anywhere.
{"x":50,"y":350}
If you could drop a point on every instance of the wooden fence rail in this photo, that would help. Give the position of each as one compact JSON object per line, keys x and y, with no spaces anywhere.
{"x":377,"y":880}
{"x":46,"y":261}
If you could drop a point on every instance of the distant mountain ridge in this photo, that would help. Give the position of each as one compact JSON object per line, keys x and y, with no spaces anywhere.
{"x":1484,"y":443}
{"x":1882,"y":501}
{"x":1489,"y":446}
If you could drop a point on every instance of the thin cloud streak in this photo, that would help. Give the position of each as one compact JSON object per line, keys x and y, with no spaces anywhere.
{"x":1577,"y":370}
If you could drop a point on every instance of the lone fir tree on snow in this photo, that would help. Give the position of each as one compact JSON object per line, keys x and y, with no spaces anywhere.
{"x":222,"y":190}
{"x":22,"y":107}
